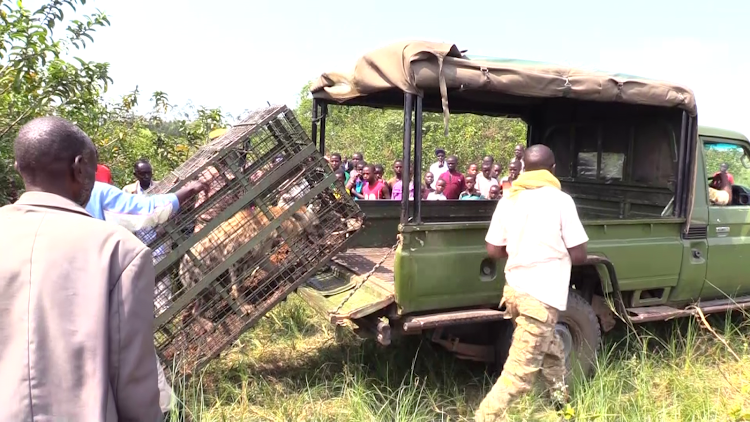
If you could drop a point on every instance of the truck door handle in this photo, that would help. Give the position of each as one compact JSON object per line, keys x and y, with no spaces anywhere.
{"x":697,"y":254}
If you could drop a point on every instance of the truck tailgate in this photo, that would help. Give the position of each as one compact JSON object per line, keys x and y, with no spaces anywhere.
{"x":328,"y":290}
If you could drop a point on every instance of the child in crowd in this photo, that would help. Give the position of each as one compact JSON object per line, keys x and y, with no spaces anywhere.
{"x":355,"y":179}
{"x":497,"y":170}
{"x":342,"y":175}
{"x":472,"y":170}
{"x":398,"y":167}
{"x":335,"y":161}
{"x":341,"y":178}
{"x":494,"y":192}
{"x":514,"y":169}
{"x":470,"y":193}
{"x":395,"y":184}
{"x":437,"y":195}
{"x":374,"y":188}
{"x":378,"y":169}
{"x":485,"y":180}
{"x":429,"y":178}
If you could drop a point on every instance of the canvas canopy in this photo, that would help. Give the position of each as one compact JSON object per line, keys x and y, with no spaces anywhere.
{"x":421,"y":67}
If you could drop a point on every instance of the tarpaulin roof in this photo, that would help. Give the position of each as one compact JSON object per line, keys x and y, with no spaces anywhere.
{"x":418,"y":67}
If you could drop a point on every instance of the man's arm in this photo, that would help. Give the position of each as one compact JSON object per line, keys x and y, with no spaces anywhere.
{"x":496,"y":252}
{"x":133,"y":374}
{"x":136,"y":212}
{"x":573,"y":234}
{"x":496,"y":238}
{"x":351,"y":183}
{"x":385,"y":192}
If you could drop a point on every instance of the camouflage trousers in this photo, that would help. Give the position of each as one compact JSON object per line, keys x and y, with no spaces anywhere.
{"x":535,"y":348}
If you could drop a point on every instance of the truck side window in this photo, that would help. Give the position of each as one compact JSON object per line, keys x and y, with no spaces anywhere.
{"x":726,"y":158}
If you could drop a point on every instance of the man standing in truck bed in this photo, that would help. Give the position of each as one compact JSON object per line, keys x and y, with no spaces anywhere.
{"x":536,"y":226}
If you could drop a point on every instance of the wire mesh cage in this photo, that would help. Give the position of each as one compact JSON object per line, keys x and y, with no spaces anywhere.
{"x":274,"y":213}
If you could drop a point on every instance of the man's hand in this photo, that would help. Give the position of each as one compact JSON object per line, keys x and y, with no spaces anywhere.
{"x":197,"y":186}
{"x":191,"y":189}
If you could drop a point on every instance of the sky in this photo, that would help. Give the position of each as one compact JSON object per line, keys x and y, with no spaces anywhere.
{"x":238,"y":55}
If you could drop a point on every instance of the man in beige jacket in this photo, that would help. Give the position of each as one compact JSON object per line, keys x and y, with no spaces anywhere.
{"x":76,"y":309}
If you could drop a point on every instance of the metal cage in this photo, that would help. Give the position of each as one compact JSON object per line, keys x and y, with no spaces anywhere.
{"x":275,"y":212}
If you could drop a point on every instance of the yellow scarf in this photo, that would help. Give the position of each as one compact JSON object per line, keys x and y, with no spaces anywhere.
{"x":534,"y":179}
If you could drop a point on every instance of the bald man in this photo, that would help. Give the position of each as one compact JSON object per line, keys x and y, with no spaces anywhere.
{"x":76,"y":310}
{"x":536,"y":227}
{"x":720,"y":189}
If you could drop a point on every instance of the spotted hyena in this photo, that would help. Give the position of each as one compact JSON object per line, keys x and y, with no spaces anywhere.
{"x":226,"y":239}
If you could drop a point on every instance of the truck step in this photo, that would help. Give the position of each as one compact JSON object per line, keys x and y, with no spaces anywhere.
{"x":445,"y":319}
{"x":663,"y":313}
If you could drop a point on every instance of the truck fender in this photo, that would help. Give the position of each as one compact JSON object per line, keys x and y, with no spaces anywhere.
{"x":608,"y":278}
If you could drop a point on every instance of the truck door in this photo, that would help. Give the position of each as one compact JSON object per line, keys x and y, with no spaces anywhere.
{"x":728,"y":225}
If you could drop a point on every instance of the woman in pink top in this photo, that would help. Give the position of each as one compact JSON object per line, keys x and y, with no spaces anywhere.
{"x":374,"y":188}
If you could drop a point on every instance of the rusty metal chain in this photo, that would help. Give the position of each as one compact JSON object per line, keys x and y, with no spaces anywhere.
{"x":368,"y":275}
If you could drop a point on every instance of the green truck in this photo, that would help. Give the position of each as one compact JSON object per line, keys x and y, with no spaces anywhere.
{"x":629,"y":151}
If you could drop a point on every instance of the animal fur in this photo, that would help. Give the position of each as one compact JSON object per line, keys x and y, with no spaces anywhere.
{"x":227,"y":238}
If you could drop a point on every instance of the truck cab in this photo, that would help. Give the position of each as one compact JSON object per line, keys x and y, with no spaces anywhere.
{"x":628,"y":150}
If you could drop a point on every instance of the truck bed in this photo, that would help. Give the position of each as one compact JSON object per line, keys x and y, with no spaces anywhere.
{"x":361,"y":260}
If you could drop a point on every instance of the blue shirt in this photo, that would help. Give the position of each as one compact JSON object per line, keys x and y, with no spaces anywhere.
{"x":466,"y":196}
{"x":134,"y":212}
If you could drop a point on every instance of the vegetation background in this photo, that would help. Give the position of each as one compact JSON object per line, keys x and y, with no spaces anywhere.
{"x":41,"y":76}
{"x":294,"y":366}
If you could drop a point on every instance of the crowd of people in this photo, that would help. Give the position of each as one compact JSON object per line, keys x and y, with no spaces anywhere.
{"x":443,"y":181}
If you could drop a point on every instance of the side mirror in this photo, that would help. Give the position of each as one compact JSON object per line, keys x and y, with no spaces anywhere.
{"x":745,"y":161}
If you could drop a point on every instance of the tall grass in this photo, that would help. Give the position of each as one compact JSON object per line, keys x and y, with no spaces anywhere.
{"x":294,"y":367}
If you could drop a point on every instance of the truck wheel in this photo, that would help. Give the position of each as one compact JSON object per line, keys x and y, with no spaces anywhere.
{"x":580,"y":332}
{"x":578,"y":328}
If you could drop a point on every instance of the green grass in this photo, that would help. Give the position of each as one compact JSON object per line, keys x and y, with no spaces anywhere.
{"x":295,"y":367}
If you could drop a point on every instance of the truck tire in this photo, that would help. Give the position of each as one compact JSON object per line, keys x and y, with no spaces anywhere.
{"x":579,"y":328}
{"x":579,"y":321}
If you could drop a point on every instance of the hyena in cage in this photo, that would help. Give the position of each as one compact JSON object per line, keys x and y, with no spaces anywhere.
{"x":226,"y":239}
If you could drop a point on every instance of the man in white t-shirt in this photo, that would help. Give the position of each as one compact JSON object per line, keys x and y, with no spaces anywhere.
{"x":440,"y":166}
{"x":485,"y":180}
{"x":536,"y":226}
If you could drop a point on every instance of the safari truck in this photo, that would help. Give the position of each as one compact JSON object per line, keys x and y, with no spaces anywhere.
{"x":628,"y":150}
